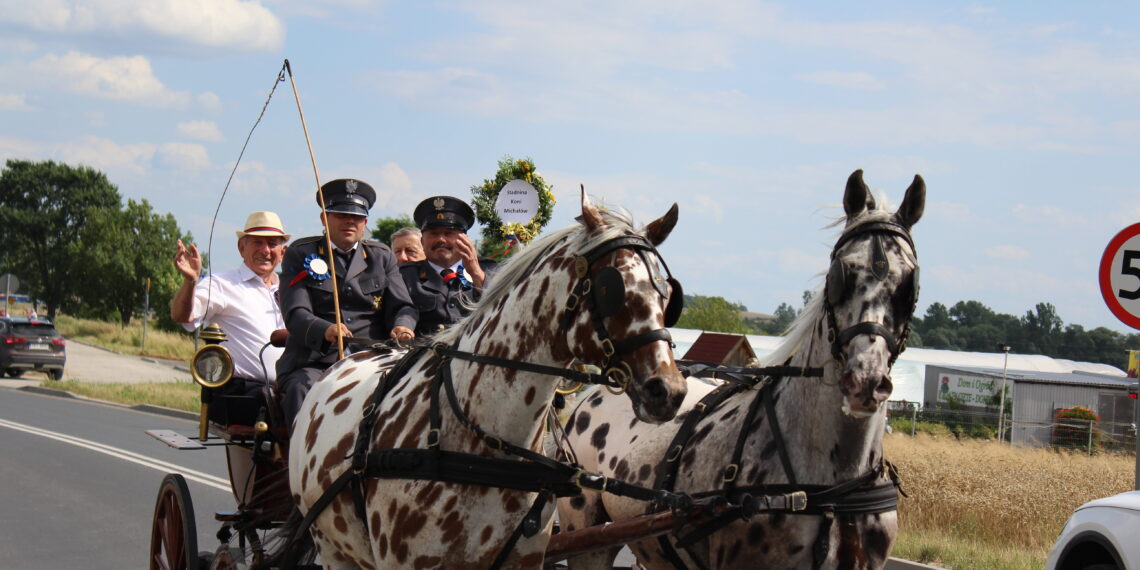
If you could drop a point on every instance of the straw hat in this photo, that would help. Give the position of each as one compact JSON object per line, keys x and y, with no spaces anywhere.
{"x":263,"y":224}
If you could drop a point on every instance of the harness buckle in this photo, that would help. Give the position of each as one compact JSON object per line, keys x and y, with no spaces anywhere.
{"x":608,"y":348}
{"x":572,"y":302}
{"x":493,"y":442}
{"x":796,"y":501}
{"x":730,"y":473}
{"x":433,"y":438}
{"x":675,"y":453}
{"x":701,"y":407}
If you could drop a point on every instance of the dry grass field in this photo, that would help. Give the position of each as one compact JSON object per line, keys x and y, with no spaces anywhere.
{"x":128,"y":339}
{"x":983,"y":504}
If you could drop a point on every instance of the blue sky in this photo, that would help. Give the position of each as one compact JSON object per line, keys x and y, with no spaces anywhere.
{"x":1020,"y":116}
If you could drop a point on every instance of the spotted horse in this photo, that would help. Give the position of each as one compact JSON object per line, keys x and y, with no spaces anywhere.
{"x":434,"y":462}
{"x":798,"y":456}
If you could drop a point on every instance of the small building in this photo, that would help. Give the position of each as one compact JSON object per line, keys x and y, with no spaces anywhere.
{"x":721,"y":348}
{"x":1034,"y":396}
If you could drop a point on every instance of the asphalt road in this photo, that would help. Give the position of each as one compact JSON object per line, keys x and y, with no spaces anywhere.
{"x":87,"y":363}
{"x":79,"y":481}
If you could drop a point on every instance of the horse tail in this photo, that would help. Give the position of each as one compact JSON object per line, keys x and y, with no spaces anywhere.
{"x":284,"y":550}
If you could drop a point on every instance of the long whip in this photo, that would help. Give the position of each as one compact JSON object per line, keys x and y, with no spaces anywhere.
{"x":324,"y":216}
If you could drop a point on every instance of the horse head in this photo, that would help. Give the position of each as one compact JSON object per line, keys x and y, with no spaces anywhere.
{"x":871,"y":291}
{"x":623,"y":299}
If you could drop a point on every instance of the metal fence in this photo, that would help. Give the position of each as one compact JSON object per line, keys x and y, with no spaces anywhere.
{"x":1090,"y":436}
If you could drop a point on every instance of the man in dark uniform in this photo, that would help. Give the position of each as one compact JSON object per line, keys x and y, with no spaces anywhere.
{"x":453,"y":274}
{"x":374,"y":302}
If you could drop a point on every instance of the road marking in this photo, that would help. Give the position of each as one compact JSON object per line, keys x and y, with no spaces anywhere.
{"x":156,"y":464}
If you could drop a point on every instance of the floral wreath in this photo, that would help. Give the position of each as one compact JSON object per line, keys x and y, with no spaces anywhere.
{"x":497,"y":235}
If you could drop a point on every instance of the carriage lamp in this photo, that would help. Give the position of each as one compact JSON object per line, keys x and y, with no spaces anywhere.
{"x":211,"y":367}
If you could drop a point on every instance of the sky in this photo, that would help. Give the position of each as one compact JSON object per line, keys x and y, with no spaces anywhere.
{"x":1020,"y":116}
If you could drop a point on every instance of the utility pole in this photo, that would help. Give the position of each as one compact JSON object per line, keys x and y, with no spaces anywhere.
{"x":1001,"y":409}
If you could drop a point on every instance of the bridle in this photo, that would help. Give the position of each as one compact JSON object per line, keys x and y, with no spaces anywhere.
{"x":603,"y":295}
{"x":834,"y":289}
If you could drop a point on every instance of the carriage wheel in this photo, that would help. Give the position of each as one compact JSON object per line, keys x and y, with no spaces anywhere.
{"x":173,"y":537}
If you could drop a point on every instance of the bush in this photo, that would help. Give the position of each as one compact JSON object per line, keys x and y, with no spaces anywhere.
{"x":1072,"y":427}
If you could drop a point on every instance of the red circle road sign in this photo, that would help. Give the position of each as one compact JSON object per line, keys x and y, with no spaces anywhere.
{"x":1120,"y":276}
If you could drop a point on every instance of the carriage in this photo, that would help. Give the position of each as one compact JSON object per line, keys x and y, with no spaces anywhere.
{"x":256,"y":443}
{"x":379,"y":446}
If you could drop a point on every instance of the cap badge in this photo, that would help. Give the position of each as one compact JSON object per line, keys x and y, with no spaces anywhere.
{"x":439,"y":203}
{"x":350,"y":186}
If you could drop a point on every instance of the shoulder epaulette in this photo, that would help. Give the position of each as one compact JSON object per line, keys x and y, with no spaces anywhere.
{"x":374,"y":243}
{"x":306,"y":240}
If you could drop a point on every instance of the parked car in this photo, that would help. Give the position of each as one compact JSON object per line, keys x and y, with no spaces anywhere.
{"x":31,"y":344}
{"x":1100,"y":535}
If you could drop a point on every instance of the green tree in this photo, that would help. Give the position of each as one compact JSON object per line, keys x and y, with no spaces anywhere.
{"x":44,"y":208}
{"x":971,"y":313}
{"x":147,"y":233}
{"x":385,"y":227}
{"x":712,"y":314}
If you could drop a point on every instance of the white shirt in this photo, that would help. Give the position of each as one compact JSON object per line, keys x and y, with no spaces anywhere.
{"x":247,"y":311}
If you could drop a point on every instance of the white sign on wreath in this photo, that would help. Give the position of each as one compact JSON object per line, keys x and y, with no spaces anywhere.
{"x":517,"y":202}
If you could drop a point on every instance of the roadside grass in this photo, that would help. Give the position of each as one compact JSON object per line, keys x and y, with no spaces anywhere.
{"x":175,"y":395}
{"x":984,"y":504}
{"x":127,"y":340}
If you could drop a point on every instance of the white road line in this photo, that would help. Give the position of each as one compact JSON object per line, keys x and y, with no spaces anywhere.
{"x":157,"y":465}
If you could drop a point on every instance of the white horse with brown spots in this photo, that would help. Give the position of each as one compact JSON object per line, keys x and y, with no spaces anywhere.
{"x":764,"y":441}
{"x":573,"y":296}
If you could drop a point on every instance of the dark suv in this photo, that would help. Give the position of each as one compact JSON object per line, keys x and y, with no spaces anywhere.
{"x":31,"y":344}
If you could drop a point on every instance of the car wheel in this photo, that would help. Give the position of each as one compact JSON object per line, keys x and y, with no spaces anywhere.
{"x":14,"y":372}
{"x":56,"y":374}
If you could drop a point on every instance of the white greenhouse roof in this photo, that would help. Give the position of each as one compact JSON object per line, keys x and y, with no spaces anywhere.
{"x":909,"y":372}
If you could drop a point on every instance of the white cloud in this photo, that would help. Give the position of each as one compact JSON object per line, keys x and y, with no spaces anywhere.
{"x":229,"y":25}
{"x":183,"y":156}
{"x":201,"y":130}
{"x":117,"y":78}
{"x":845,"y":79}
{"x":107,"y":155}
{"x":14,"y":102}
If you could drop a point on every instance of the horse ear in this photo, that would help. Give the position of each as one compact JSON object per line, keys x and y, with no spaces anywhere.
{"x":590,"y":217}
{"x":659,"y":229}
{"x":913,"y":204}
{"x":857,"y":197}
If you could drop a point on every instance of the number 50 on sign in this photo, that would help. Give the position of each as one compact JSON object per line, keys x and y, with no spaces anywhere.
{"x":1120,"y":276}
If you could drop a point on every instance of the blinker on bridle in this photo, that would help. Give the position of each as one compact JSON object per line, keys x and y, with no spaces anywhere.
{"x":834,"y":288}
{"x":605,"y":292}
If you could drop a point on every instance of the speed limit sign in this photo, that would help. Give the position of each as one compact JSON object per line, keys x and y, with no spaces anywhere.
{"x":1120,"y":276}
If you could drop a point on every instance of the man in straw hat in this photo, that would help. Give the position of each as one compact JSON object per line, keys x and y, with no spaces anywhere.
{"x":374,"y":302}
{"x":242,"y":301}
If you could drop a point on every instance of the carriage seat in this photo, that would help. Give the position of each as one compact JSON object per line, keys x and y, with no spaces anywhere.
{"x":233,"y":416}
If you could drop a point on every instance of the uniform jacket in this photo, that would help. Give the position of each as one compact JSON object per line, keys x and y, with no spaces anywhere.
{"x":438,"y":305}
{"x":373,"y":299}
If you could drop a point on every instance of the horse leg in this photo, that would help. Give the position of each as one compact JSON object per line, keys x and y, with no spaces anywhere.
{"x":580,"y":512}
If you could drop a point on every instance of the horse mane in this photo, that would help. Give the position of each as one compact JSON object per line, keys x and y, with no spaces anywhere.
{"x":801,"y":329}
{"x":618,"y":222}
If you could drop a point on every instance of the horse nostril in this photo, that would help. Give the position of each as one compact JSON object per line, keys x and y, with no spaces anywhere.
{"x":655,"y":390}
